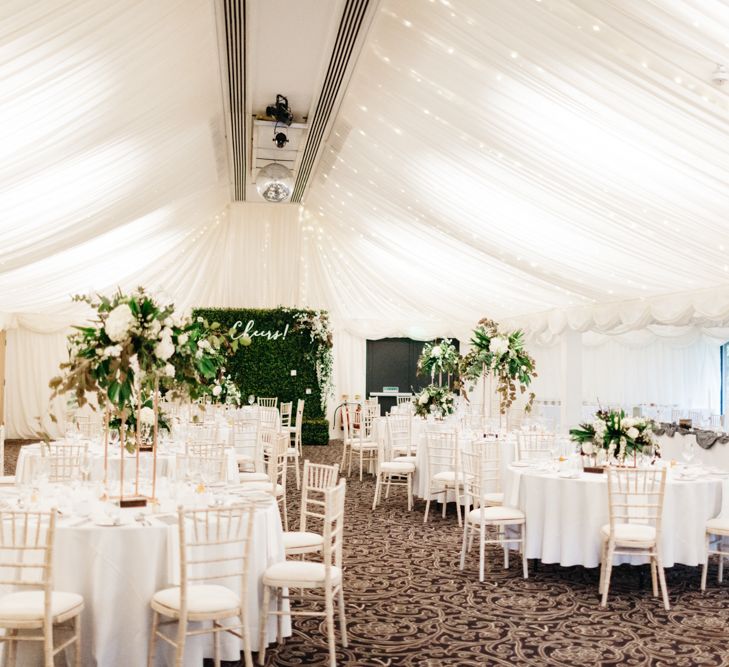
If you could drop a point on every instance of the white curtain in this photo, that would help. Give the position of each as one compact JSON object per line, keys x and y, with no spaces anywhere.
{"x":32,"y":360}
{"x":620,"y":371}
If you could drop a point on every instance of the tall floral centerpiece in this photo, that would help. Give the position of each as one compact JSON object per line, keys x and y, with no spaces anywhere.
{"x":503,"y":356}
{"x":613,"y":436}
{"x":439,"y":358}
{"x":225,"y":392}
{"x":135,"y":344}
{"x":434,"y":399}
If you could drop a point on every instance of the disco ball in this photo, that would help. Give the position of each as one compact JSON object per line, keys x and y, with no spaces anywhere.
{"x":275,"y":182}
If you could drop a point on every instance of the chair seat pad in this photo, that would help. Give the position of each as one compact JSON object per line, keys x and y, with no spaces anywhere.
{"x":299,"y":573}
{"x":630,"y":532}
{"x":366,"y":445}
{"x":497,"y":513}
{"x":398,"y":466}
{"x":292,"y":451}
{"x":493,"y":498}
{"x":718,"y":526}
{"x":252,"y":477}
{"x":28,"y":605}
{"x":406,"y":457}
{"x":296,"y":539}
{"x":263,"y":486}
{"x":446,"y":476}
{"x":201,"y":599}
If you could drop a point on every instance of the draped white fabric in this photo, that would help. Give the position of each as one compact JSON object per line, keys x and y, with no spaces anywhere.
{"x":549,"y":164}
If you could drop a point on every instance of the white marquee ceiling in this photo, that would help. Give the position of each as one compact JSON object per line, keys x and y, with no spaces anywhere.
{"x":505,"y":158}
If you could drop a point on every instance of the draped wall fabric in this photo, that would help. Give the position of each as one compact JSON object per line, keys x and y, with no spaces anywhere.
{"x":552,"y":164}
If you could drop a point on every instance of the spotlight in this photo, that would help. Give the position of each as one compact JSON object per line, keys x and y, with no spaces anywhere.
{"x":275,"y":182}
{"x":280,"y":111}
{"x":281,"y":139}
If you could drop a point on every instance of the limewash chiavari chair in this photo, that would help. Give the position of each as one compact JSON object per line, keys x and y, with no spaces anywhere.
{"x":284,"y":411}
{"x":317,"y":479}
{"x":393,"y":473}
{"x":718,"y":530}
{"x":267,"y":402}
{"x":64,"y":460}
{"x":350,"y":424}
{"x":635,"y":502}
{"x":400,"y":436}
{"x":201,"y":432}
{"x":276,"y":452}
{"x":295,"y":451}
{"x":489,"y":450}
{"x":215,"y":547}
{"x":479,"y":484}
{"x":269,"y":419}
{"x":246,"y":443}
{"x":360,"y":440}
{"x":89,"y":426}
{"x":326,"y":575}
{"x":404,"y":399}
{"x":208,"y":460}
{"x":26,"y":563}
{"x":444,"y":471}
{"x":533,"y":445}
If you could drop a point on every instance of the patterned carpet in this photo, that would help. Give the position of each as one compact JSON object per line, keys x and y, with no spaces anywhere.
{"x":409,"y":604}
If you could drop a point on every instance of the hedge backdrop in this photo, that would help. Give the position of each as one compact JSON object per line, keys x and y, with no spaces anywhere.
{"x":264,"y":367}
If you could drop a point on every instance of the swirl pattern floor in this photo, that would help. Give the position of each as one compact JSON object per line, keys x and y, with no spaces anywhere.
{"x":409,"y":604}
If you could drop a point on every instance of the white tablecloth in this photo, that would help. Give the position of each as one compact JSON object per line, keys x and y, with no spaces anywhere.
{"x":672,"y":448}
{"x":29,"y":459}
{"x":118,"y":569}
{"x":564,"y":516}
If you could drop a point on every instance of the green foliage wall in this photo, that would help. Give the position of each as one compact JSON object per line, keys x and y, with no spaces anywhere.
{"x":264,"y":367}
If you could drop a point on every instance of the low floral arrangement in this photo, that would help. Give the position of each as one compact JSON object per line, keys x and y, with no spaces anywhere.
{"x":438,"y":358}
{"x":502,"y":354}
{"x":619,"y":436}
{"x":434,"y":399}
{"x":226,"y":392}
{"x":135,"y":344}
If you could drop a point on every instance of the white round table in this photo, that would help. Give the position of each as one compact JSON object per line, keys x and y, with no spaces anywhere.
{"x":564,"y":516}
{"x":117,"y":570}
{"x":30,"y":458}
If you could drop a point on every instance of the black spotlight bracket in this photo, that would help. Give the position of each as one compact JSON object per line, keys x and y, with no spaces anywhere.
{"x":280,"y":111}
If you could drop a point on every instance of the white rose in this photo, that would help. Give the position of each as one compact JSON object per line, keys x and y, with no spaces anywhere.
{"x":199,"y":354}
{"x":423,"y":398}
{"x":436,"y":351}
{"x":154,"y":328}
{"x":112,"y":351}
{"x":633,"y":432}
{"x":118,"y":322}
{"x":217,"y":389}
{"x":498,"y":345}
{"x":169,"y":370}
{"x":166,"y":333}
{"x":164,"y":349}
{"x":168,"y":322}
{"x":183,"y":338}
{"x":588,"y":448}
{"x":146,"y":415}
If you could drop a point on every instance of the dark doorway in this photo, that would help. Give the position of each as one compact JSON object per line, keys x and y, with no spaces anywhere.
{"x":393,"y":362}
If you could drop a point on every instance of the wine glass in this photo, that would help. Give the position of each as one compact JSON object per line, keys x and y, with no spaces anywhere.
{"x":688,"y":450}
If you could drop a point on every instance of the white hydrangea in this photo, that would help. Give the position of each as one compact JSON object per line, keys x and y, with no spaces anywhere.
{"x":118,"y":322}
{"x":217,"y":389}
{"x":498,"y":345}
{"x":169,"y":370}
{"x":112,"y":351}
{"x":164,"y":349}
{"x":423,"y":398}
{"x":146,"y":416}
{"x":436,"y":351}
{"x":154,"y":328}
{"x":183,"y":338}
{"x":633,"y":432}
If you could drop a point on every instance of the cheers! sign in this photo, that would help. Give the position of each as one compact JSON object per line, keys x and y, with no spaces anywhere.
{"x":250,"y":332}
